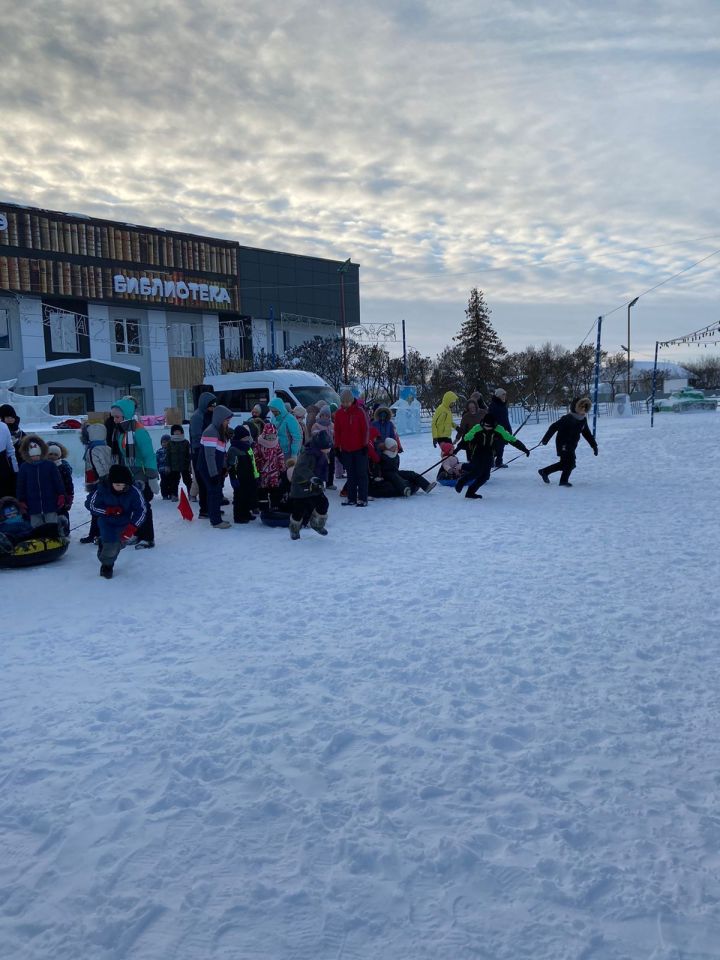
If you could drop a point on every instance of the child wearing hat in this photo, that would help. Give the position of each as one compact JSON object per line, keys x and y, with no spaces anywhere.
{"x":450,"y":468}
{"x":13,"y":525}
{"x":567,"y":432}
{"x":161,"y":456}
{"x":308,"y":503}
{"x":40,"y":488}
{"x":480,"y":444}
{"x":243,"y":474}
{"x":178,"y":460}
{"x":270,"y":462}
{"x":120,"y":510}
{"x":58,"y":454}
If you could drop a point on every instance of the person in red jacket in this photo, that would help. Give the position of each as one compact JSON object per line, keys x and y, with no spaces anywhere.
{"x":352,"y":434}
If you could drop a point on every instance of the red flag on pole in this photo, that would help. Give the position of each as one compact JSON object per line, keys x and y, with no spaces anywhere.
{"x":186,"y":511}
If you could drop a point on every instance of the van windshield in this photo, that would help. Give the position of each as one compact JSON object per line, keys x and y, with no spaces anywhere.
{"x":308,"y":395}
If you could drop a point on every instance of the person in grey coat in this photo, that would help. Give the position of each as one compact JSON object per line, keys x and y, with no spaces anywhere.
{"x":200,"y":421}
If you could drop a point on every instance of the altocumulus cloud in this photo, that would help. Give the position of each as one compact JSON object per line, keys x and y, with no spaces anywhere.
{"x":550,"y":152}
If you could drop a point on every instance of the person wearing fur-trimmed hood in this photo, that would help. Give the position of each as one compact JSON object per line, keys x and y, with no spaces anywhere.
{"x":59,"y":456}
{"x":39,"y":485}
{"x":567,"y":431}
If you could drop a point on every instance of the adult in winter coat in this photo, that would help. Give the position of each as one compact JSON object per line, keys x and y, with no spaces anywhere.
{"x":567,"y":432}
{"x":498,"y":409}
{"x":473,"y":414}
{"x":352,"y":432}
{"x":480,"y":443}
{"x":8,"y":462}
{"x":120,"y":510}
{"x":199,"y":421}
{"x":39,"y":485}
{"x":214,"y":444}
{"x":243,"y":475}
{"x":12,"y":421}
{"x":308,"y":503}
{"x":136,"y":453}
{"x":442,"y":421}
{"x":289,"y":431}
{"x":98,"y":460}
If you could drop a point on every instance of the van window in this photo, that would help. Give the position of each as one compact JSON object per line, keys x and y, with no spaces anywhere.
{"x":285,"y":397}
{"x":242,"y":401}
{"x":307,"y":395}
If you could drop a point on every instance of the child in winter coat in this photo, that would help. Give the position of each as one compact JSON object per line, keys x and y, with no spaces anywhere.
{"x":120,"y":509}
{"x":270,"y":463}
{"x":308,"y":502}
{"x":98,"y":460}
{"x":383,"y":423}
{"x":40,"y":487}
{"x":13,"y":526}
{"x":58,"y":454}
{"x":161,"y":456}
{"x":569,"y":429}
{"x":214,"y":444}
{"x":243,"y":475}
{"x":450,"y":467}
{"x":178,"y":460}
{"x":480,"y":444}
{"x":323,"y":421}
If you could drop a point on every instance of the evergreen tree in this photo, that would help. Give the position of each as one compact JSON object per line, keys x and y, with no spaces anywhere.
{"x":481,"y":348}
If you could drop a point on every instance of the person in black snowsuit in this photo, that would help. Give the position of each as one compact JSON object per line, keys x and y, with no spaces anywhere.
{"x":243,"y":475}
{"x":567,"y":432}
{"x":499,"y":410}
{"x":394,"y":481}
{"x":480,"y":444}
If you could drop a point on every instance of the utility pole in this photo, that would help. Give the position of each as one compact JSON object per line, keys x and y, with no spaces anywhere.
{"x":629,"y":365}
{"x":342,"y":270}
{"x":405,"y":373}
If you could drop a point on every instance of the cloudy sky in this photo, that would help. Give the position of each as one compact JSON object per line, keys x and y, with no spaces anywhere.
{"x":560,"y":155}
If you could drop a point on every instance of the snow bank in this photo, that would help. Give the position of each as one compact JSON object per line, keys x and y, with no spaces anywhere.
{"x":450,"y":729}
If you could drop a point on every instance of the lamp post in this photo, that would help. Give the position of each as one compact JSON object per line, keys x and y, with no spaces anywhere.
{"x":631,"y":304}
{"x":342,"y":270}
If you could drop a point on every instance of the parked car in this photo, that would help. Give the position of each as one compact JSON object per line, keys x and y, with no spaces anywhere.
{"x":241,"y":391}
{"x":684,"y":401}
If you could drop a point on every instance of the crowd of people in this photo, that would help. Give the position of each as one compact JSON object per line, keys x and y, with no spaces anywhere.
{"x":279,"y":463}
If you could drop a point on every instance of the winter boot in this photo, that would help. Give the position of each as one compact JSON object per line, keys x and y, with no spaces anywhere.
{"x":223,"y":525}
{"x":543,"y":476}
{"x":87,"y":540}
{"x":317,"y":522}
{"x":106,"y":571}
{"x":145,"y":545}
{"x":460,"y":484}
{"x":564,"y":483}
{"x":473,"y":496}
{"x":407,"y":492}
{"x":295,"y":529}
{"x":431,"y":486}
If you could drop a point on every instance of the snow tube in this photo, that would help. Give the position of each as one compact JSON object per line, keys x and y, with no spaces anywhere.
{"x":35,"y":549}
{"x":447,"y":483}
{"x":275,"y":518}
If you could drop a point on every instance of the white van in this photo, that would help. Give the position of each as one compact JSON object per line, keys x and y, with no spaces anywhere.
{"x":241,"y":391}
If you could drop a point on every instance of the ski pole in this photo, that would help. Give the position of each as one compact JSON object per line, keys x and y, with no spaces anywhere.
{"x":80,"y":525}
{"x":512,"y":460}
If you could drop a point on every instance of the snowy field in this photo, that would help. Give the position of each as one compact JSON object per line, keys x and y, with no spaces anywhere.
{"x":450,"y":729}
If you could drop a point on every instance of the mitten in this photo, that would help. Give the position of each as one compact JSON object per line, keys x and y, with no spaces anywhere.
{"x":595,"y":450}
{"x":60,"y":501}
{"x":113,"y":511}
{"x":128,"y":533}
{"x":434,"y":442}
{"x":544,"y":442}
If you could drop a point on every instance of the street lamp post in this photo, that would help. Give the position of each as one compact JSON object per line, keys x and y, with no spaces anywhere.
{"x":342,"y":270}
{"x":631,"y":304}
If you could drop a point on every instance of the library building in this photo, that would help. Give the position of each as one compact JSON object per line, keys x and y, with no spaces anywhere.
{"x":92,"y":310}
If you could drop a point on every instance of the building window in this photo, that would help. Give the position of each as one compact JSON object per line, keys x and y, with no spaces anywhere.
{"x":138,"y":395}
{"x":127,"y":335}
{"x":4,"y":329}
{"x":63,"y":331}
{"x":182,"y":340}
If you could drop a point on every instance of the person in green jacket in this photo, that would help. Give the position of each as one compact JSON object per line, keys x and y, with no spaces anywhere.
{"x":136,"y":452}
{"x":442,"y":421}
{"x":479,"y":442}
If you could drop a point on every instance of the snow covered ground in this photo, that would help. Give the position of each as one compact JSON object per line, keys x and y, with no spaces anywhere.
{"x":450,"y":729}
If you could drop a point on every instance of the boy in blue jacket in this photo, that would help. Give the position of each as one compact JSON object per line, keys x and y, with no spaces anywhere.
{"x":120,"y":509}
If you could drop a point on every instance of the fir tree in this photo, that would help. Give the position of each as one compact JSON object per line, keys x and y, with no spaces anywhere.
{"x":481,"y":348}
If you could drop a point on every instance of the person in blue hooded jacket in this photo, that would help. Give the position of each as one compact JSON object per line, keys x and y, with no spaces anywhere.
{"x":135,"y":450}
{"x":289,"y":430}
{"x":120,"y":510}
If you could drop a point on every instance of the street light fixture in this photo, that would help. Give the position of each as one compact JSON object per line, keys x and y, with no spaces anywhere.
{"x":629,"y":365}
